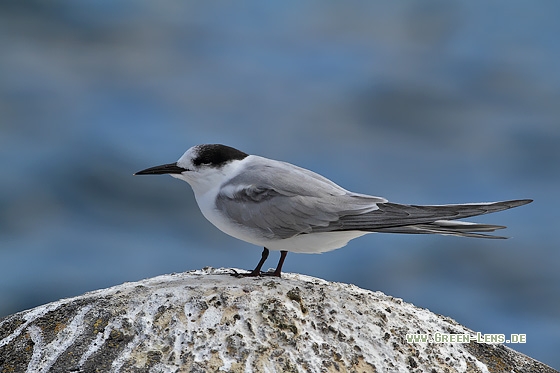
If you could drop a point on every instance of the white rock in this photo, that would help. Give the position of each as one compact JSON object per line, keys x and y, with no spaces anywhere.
{"x":207,"y":320}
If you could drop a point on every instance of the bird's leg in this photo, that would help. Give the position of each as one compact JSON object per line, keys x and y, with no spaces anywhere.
{"x":257,"y":271}
{"x":278,"y":271}
{"x":264,"y":256}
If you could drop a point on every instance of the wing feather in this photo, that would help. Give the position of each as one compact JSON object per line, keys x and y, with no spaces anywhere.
{"x":281,"y":200}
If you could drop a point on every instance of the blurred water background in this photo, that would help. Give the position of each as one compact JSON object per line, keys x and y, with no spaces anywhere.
{"x":426,"y":102}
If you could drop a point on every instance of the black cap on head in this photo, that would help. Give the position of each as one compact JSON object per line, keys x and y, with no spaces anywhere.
{"x":216,"y":155}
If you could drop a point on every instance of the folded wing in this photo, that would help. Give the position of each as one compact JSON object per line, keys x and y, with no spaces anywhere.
{"x":281,"y":200}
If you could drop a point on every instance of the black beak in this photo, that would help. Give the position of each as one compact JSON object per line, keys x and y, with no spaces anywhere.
{"x":170,"y":168}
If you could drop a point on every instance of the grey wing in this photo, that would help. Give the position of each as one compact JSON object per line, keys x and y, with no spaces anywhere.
{"x":281,"y":200}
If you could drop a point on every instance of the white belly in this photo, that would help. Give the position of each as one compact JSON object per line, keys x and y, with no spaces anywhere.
{"x":314,"y":243}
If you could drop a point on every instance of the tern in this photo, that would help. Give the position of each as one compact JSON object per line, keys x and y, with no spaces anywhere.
{"x":286,"y":208}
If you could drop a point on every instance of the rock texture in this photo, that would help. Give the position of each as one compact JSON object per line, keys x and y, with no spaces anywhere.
{"x":207,"y":321}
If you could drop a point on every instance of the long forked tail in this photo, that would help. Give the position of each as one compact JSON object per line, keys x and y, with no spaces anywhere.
{"x":447,"y":227}
{"x":431,"y":219}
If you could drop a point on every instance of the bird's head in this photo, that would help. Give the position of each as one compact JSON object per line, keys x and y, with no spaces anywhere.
{"x":202,"y":166}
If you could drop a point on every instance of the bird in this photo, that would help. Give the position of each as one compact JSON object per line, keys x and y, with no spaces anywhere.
{"x":282,"y":207}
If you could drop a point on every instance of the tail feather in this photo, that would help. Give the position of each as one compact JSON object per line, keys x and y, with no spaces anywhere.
{"x":425,"y":219}
{"x":448,"y":228}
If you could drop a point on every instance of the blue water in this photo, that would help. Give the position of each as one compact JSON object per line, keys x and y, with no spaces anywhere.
{"x":430,"y":102}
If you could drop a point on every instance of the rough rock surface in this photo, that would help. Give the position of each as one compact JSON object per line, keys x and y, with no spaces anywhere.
{"x":206,"y":321}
